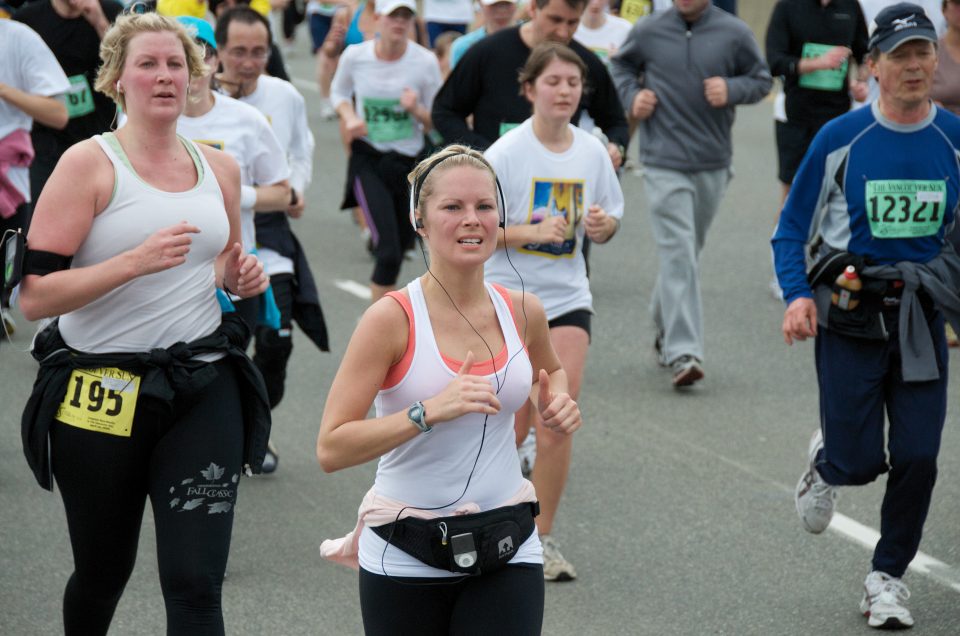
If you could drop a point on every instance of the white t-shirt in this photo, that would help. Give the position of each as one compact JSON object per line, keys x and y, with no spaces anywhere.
{"x":606,"y":40}
{"x":537,"y":182}
{"x":287,"y":113}
{"x":375,"y":85}
{"x":244,"y":133}
{"x":27,"y":64}
{"x":448,"y":11}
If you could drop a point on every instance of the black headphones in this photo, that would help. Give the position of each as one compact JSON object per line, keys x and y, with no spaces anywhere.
{"x":417,"y":223}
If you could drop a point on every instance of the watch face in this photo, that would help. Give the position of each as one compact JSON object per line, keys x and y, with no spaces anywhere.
{"x":415,"y":413}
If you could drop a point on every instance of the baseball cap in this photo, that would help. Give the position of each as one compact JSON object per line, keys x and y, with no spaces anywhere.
{"x":199,"y":29}
{"x":901,"y":23}
{"x":386,"y":7}
{"x":487,"y":3}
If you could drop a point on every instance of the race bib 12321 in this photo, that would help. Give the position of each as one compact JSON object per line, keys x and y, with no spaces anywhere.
{"x":905,"y":209}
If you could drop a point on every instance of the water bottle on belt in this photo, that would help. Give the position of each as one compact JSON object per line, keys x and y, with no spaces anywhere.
{"x":846,"y":289}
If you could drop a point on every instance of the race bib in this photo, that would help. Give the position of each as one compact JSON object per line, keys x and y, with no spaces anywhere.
{"x":826,"y":79}
{"x":506,"y":127}
{"x":386,"y":120}
{"x":79,"y":97}
{"x":905,"y":209}
{"x":100,"y":400}
{"x":632,"y":10}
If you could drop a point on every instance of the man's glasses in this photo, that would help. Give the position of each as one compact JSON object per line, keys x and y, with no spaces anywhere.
{"x":259,"y":55}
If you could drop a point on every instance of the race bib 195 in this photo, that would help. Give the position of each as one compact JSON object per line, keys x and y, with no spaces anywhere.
{"x":101,"y":400}
{"x":905,"y":209}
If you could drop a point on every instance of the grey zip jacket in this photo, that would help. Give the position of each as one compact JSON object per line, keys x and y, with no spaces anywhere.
{"x":671,"y":58}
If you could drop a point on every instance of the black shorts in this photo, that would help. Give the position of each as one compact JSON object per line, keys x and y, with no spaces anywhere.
{"x":793,"y":140}
{"x":576,"y":318}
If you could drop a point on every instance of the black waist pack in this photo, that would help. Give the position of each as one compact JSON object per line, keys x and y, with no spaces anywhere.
{"x":466,"y":544}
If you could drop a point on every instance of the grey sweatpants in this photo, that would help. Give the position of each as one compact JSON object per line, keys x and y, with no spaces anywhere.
{"x":682,"y":206}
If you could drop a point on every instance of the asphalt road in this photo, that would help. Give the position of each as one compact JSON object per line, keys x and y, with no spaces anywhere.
{"x":679,"y":513}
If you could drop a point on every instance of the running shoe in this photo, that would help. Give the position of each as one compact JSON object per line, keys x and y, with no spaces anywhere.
{"x":327,"y":113}
{"x":555,"y":567}
{"x":658,"y":349}
{"x":8,"y":323}
{"x":270,"y":459}
{"x":528,"y":453}
{"x":814,"y":497}
{"x":883,"y":602}
{"x":686,"y":371}
{"x":952,"y":340}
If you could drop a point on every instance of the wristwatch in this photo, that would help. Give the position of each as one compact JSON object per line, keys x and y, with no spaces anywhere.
{"x":418,"y":417}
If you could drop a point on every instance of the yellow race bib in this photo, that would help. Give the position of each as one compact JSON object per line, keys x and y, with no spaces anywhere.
{"x":101,"y":400}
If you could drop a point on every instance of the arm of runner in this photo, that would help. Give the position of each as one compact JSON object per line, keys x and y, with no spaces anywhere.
{"x":552,"y":229}
{"x":456,"y":100}
{"x":549,"y":391}
{"x":62,"y":219}
{"x":48,"y":111}
{"x":751,"y":80}
{"x":239,"y":272}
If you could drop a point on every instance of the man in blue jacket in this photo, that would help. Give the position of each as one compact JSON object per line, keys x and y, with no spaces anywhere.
{"x":871,"y":204}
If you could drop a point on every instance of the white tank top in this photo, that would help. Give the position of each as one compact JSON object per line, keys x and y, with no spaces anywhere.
{"x":161,"y":309}
{"x":431,"y":469}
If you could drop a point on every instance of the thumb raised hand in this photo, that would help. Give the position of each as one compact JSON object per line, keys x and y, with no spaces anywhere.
{"x":467,"y":364}
{"x":543,"y":400}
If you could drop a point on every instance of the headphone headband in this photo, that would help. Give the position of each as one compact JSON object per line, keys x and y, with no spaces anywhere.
{"x":418,"y":186}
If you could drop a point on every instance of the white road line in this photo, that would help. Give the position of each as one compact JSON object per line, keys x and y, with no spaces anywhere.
{"x":923,"y":563}
{"x":843,"y":525}
{"x":305,"y":85}
{"x":354,"y":288}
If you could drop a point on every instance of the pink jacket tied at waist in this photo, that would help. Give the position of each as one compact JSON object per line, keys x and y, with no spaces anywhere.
{"x":376,"y":510}
{"x":16,"y":150}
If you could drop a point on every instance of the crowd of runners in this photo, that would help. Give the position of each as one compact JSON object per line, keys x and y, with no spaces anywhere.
{"x":152,"y":157}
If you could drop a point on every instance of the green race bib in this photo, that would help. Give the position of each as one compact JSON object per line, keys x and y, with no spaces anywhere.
{"x":79,"y":97}
{"x":905,"y":209}
{"x":827,"y":79}
{"x":386,"y":120}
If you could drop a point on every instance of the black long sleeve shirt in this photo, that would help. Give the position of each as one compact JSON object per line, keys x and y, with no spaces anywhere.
{"x":484,"y":84}
{"x":797,"y":22}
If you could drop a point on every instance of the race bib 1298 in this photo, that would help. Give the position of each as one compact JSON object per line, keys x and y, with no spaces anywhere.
{"x":905,"y":209}
{"x":100,"y":400}
{"x":386,"y":120}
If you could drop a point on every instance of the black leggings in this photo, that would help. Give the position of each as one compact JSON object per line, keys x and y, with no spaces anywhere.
{"x":508,"y":601}
{"x":275,"y":346}
{"x":188,"y":462}
{"x":380,"y":189}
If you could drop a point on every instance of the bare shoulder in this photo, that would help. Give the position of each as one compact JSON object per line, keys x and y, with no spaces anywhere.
{"x":384,"y":328}
{"x":84,"y":174}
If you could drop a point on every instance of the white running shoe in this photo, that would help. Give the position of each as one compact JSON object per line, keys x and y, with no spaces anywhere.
{"x":528,"y":453}
{"x":327,"y":113}
{"x":883,"y":602}
{"x":555,"y":567}
{"x":814,"y":497}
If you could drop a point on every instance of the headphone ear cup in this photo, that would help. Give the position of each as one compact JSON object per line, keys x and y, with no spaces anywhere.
{"x":418,"y":224}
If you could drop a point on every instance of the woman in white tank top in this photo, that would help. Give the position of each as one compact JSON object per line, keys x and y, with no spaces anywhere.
{"x":446,"y":362}
{"x":152,"y":224}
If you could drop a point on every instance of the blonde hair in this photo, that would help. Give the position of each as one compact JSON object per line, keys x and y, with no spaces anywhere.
{"x":113,"y":49}
{"x":423,"y":176}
